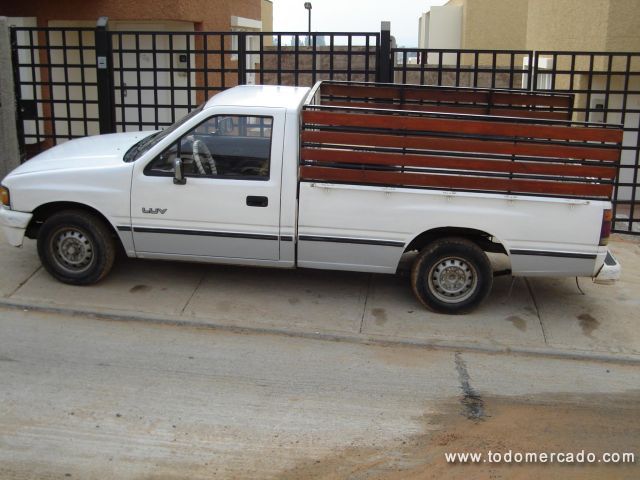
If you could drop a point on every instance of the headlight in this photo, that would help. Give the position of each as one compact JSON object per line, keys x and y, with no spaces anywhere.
{"x":4,"y":196}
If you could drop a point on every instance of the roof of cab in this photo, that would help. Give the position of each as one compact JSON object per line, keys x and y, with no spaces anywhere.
{"x":260,"y":96}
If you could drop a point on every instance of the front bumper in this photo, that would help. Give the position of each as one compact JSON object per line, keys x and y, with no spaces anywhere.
{"x":13,"y":225}
{"x":609,"y":272}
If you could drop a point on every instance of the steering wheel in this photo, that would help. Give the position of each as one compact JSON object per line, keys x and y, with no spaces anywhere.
{"x":202,"y":156}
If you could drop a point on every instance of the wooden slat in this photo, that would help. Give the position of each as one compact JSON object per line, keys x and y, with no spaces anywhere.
{"x":448,"y":108}
{"x":455,"y":182}
{"x":512,"y":98}
{"x":359,"y":91}
{"x":475,"y":127}
{"x":457,"y":163}
{"x":454,"y":108}
{"x":435,"y":95}
{"x":463,"y":145}
{"x":517,"y":112}
{"x":443,"y":94}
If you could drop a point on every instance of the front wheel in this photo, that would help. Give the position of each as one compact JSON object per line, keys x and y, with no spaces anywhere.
{"x":76,"y":247}
{"x":451,"y":275}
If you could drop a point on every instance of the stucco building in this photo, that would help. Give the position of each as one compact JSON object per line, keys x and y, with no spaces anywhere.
{"x":585,"y":25}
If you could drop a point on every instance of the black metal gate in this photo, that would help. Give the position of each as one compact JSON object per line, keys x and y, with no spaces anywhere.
{"x":56,"y":85}
{"x":159,"y":76}
{"x":73,"y":82}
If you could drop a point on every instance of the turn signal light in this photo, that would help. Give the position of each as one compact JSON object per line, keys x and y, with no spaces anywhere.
{"x":4,"y":196}
{"x":605,"y":230}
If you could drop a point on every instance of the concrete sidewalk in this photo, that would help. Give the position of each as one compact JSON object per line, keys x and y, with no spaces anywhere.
{"x":547,"y":316}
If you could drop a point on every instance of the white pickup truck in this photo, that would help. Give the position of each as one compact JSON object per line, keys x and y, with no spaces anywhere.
{"x":342,"y":176}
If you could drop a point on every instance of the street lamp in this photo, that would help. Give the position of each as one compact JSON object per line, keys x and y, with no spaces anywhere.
{"x":307,"y":5}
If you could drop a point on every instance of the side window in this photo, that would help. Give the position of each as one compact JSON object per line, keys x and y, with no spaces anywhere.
{"x":223,"y":146}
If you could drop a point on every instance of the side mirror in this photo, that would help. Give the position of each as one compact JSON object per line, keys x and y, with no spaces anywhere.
{"x":178,"y":177}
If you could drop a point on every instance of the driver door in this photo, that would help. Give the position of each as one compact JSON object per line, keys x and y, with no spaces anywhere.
{"x":229,"y":206}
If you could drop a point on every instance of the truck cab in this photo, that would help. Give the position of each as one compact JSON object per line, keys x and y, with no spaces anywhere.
{"x":236,"y":199}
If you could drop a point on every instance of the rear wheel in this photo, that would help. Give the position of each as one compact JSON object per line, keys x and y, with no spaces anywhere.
{"x":451,"y":275}
{"x":76,"y":247}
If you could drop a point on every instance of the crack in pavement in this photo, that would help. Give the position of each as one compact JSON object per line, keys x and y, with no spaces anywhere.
{"x":471,"y":400}
{"x":24,"y":282}
{"x":204,"y":274}
{"x":366,"y":299}
{"x":535,"y":304}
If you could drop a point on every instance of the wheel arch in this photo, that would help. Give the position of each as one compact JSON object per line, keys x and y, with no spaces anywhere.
{"x":44,"y":211}
{"x":485,"y":240}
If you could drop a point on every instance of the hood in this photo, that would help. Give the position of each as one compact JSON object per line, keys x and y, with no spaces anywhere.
{"x":87,"y":152}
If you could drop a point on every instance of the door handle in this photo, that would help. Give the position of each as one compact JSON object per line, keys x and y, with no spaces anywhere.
{"x":257,"y":201}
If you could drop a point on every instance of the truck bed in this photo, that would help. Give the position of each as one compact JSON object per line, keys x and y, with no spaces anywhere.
{"x":512,"y":154}
{"x":381,"y":165}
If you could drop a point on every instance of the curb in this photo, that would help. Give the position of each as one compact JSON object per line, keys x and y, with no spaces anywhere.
{"x":363,"y":339}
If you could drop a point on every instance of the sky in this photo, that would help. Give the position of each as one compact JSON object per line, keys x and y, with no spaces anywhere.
{"x":354,"y":16}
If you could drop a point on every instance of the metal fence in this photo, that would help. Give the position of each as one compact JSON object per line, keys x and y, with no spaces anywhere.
{"x":73,"y":82}
{"x":509,"y":69}
{"x":159,"y":76}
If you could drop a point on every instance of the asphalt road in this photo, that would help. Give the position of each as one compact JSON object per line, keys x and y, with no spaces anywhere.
{"x":92,"y":399}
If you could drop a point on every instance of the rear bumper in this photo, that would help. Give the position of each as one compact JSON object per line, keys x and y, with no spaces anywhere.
{"x":13,"y":225}
{"x":609,"y":272}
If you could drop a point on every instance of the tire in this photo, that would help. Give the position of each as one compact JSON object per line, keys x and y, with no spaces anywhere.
{"x":451,"y":275}
{"x":76,"y":248}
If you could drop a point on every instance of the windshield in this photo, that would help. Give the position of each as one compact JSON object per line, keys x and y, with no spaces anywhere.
{"x":150,"y":141}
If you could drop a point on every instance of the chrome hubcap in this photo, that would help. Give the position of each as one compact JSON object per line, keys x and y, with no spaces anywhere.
{"x":452,"y":280}
{"x":72,"y":250}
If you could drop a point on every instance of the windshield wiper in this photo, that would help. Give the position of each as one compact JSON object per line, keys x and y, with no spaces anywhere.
{"x":137,"y":147}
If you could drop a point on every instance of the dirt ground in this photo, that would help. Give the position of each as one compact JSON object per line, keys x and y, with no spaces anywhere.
{"x":554,"y":423}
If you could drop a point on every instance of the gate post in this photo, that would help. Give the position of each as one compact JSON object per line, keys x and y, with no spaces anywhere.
{"x":104,"y":76}
{"x":242,"y":58}
{"x":383,"y":65}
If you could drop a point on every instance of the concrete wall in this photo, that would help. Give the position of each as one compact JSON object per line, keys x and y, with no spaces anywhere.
{"x":624,"y":26}
{"x":567,"y":25}
{"x":595,"y":25}
{"x":267,"y":15}
{"x":580,"y":25}
{"x":494,"y":24}
{"x":423,"y":30}
{"x":445,"y":27}
{"x":9,"y":152}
